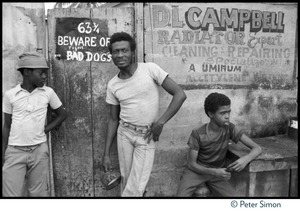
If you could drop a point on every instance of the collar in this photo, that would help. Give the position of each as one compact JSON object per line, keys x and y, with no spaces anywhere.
{"x":19,"y":89}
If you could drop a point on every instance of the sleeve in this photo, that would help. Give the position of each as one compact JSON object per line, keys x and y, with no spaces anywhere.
{"x":7,"y":106}
{"x":157,"y":73}
{"x":193,"y":141}
{"x":235,"y":133}
{"x":110,"y":97}
{"x":55,"y":102}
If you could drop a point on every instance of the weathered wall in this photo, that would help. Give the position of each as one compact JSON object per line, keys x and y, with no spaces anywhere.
{"x":259,"y":76}
{"x":23,"y":29}
{"x":246,"y":51}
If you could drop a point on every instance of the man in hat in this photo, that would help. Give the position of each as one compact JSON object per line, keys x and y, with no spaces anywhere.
{"x":25,"y":150}
{"x":133,"y":96}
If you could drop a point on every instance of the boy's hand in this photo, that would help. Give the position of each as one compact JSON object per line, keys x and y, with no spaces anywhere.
{"x":223,"y":174}
{"x":3,"y":156}
{"x":238,"y":165}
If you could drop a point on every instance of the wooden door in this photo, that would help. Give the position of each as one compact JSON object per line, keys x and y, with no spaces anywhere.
{"x":80,"y":70}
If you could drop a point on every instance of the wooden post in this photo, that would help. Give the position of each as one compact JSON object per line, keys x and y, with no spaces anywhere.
{"x":139,"y":31}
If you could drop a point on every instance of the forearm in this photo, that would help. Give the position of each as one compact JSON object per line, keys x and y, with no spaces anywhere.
{"x":173,"y":108}
{"x":252,"y":154}
{"x":201,"y":169}
{"x":5,"y":134}
{"x":4,"y":145}
{"x":53,"y":124}
{"x":111,"y":133}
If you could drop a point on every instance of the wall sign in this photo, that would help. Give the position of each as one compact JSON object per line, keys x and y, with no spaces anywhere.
{"x":225,"y":43}
{"x":82,"y":39}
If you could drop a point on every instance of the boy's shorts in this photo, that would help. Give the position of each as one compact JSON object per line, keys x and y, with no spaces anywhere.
{"x":190,"y":181}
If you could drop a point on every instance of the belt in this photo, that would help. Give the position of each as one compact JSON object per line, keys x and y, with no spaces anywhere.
{"x":137,"y":128}
{"x":26,"y":148}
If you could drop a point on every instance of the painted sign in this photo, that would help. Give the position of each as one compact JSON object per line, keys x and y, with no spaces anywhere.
{"x":82,"y":39}
{"x":240,"y":44}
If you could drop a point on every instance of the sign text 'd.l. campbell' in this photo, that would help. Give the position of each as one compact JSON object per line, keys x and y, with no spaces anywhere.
{"x":236,"y":19}
{"x":224,"y":43}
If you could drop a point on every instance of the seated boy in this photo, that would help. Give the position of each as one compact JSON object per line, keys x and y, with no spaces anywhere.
{"x":208,"y":147}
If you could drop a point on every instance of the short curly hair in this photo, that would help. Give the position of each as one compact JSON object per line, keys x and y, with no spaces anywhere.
{"x":121,"y":36}
{"x":213,"y":101}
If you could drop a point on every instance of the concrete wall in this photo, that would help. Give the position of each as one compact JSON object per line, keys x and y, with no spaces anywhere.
{"x":262,"y":86}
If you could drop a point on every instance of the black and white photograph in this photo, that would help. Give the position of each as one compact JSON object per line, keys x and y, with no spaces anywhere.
{"x":181,"y":103}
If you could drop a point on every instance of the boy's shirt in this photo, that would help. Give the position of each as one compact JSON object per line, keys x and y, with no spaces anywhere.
{"x":212,"y":152}
{"x":29,"y":111}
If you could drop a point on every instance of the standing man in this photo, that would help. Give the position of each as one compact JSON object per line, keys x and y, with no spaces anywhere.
{"x":25,"y":150}
{"x":133,"y":97}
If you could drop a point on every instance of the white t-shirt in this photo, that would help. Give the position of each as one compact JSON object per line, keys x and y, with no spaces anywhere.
{"x":138,"y":96}
{"x":29,"y":112}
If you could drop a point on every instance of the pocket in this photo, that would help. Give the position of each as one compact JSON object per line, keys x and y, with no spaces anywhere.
{"x":140,"y":141}
{"x":151,"y":144}
{"x":124,"y":133}
{"x":47,"y":149}
{"x":7,"y":150}
{"x":44,"y":149}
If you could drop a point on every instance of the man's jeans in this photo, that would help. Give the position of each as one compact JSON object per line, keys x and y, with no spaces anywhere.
{"x":136,"y":160}
{"x":30,"y":162}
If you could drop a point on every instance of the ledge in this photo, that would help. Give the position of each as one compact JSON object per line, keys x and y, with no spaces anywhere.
{"x":278,"y":153}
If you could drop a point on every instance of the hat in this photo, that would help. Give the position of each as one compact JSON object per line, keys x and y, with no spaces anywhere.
{"x":32,"y":60}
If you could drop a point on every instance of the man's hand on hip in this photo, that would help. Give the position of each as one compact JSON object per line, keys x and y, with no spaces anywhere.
{"x":154,"y":131}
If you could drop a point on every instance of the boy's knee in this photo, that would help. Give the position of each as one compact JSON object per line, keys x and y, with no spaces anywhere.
{"x":202,"y":191}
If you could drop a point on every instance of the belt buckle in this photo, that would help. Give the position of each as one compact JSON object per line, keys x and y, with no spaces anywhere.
{"x":143,"y":130}
{"x":132,"y":127}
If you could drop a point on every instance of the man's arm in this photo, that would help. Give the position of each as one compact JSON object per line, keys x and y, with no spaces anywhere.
{"x":193,"y":165}
{"x":113,"y":123}
{"x":61,"y":115}
{"x":255,"y":151}
{"x":178,"y":98}
{"x":5,"y":134}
